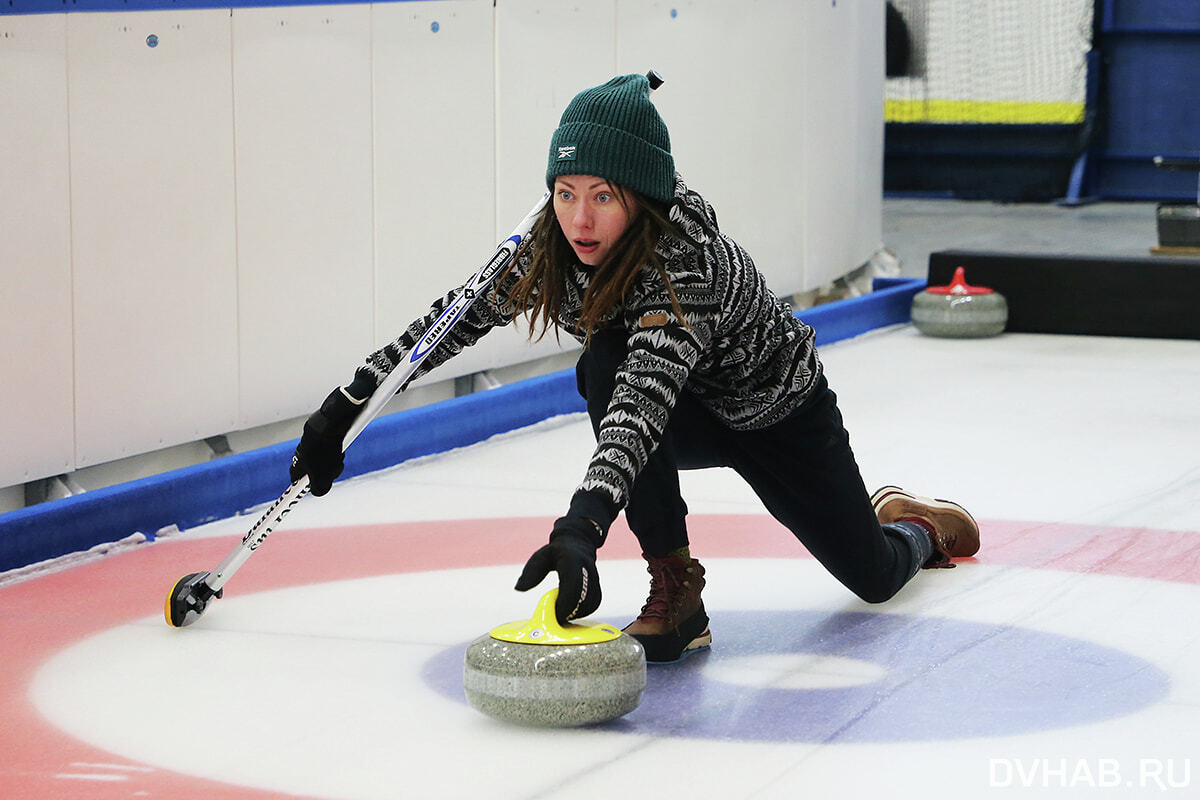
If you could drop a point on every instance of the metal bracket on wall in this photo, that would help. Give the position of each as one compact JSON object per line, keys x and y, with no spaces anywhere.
{"x":53,"y":488}
{"x":475,"y":382}
{"x":219,"y":447}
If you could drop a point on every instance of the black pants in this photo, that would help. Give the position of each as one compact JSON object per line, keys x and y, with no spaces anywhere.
{"x":802,"y":469}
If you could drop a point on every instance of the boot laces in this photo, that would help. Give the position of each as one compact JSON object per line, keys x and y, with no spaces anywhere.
{"x":667,"y":582}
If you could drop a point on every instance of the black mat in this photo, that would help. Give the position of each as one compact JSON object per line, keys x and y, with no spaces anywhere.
{"x":1087,"y":295}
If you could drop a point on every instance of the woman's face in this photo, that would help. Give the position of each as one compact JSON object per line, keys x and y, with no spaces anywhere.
{"x":591,"y":216}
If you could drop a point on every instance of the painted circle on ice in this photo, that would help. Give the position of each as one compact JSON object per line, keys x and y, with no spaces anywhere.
{"x":925,"y":666}
{"x":794,"y":671}
{"x":1032,"y":641}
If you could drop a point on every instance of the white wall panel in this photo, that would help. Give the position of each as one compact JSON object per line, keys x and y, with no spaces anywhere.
{"x":827,"y":130}
{"x":435,"y":167}
{"x":765,"y":101}
{"x":434,"y":162}
{"x":843,"y":135}
{"x":153,"y":230}
{"x":735,"y":75}
{"x":868,"y":45}
{"x":302,"y":111}
{"x":37,"y":427}
{"x":546,"y":52}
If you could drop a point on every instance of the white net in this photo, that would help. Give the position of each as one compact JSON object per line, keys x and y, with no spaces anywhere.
{"x":993,"y":61}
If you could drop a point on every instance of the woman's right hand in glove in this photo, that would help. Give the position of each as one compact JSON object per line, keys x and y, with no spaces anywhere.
{"x":319,"y":454}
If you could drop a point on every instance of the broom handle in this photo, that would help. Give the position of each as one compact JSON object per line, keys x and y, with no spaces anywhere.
{"x":393,"y":383}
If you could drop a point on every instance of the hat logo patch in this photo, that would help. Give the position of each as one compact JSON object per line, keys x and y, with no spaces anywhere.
{"x":566,"y":152}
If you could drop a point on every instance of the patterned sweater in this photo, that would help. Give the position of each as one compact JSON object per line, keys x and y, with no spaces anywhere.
{"x":742,"y":353}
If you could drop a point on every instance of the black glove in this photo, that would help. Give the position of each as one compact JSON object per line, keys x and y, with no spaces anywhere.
{"x":572,"y":554}
{"x":319,"y":454}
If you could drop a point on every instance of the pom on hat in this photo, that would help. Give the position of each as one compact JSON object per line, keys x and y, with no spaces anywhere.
{"x":614,"y":132}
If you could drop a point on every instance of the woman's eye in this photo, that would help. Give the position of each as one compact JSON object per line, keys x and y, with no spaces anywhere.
{"x":603,"y":197}
{"x":563,"y":194}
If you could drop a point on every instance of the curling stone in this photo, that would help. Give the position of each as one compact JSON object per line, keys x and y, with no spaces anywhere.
{"x":959,"y":311}
{"x":537,"y":672}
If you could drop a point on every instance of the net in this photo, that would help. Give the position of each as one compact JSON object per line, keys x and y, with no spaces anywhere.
{"x":992,"y":61}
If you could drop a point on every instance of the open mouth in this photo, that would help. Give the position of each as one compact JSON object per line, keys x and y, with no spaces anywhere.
{"x":585,"y":248}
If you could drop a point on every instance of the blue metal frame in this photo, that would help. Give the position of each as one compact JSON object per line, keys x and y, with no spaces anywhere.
{"x":1150,"y":48}
{"x":1082,"y":173}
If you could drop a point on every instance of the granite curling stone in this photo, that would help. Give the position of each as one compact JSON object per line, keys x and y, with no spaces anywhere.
{"x":537,"y":672}
{"x":959,"y":310}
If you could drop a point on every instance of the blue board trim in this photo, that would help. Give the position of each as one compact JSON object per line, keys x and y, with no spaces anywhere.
{"x":889,"y":304}
{"x":218,"y":489}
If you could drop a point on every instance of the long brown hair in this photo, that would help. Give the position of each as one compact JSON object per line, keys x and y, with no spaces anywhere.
{"x":541,"y":290}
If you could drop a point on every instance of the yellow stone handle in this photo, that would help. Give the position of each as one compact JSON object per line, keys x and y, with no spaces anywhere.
{"x":543,"y":628}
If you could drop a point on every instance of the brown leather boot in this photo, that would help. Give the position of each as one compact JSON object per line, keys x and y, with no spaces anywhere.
{"x":672,"y":623}
{"x":954,"y":532}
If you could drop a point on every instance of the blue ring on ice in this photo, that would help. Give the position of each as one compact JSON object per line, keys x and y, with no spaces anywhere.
{"x":944,"y":679}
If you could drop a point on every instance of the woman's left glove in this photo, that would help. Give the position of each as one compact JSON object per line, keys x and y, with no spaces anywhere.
{"x":319,"y":454}
{"x":572,"y":554}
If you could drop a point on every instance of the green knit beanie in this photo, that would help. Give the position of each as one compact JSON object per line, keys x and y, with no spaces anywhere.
{"x":614,"y":132}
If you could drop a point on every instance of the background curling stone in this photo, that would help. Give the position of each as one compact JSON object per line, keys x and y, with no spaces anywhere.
{"x":959,"y":310}
{"x":537,"y":672}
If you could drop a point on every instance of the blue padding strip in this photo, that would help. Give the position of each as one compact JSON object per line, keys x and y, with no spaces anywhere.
{"x":218,"y":489}
{"x":228,"y":486}
{"x":889,"y":304}
{"x":443,"y":426}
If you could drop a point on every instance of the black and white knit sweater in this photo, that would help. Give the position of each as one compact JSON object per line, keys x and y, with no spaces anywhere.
{"x":742,"y":353}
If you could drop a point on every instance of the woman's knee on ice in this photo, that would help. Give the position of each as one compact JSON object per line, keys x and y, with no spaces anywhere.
{"x":873,"y":590}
